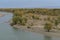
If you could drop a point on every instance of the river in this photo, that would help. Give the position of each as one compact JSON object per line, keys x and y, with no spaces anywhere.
{"x":9,"y":33}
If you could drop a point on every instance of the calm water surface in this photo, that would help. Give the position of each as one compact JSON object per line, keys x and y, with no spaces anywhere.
{"x":9,"y":33}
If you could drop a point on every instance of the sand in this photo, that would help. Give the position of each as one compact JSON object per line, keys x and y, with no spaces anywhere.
{"x":39,"y":29}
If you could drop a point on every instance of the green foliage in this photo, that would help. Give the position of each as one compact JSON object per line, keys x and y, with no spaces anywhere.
{"x":15,"y":19}
{"x":19,"y":20}
{"x":35,"y":17}
{"x":23,"y":20}
{"x":48,"y":19}
{"x":58,"y":19}
{"x":43,"y":11}
{"x":48,"y":26}
{"x":56,"y":23}
{"x":18,"y":14}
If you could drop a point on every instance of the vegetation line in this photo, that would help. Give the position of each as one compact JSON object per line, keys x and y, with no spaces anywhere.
{"x":46,"y":19}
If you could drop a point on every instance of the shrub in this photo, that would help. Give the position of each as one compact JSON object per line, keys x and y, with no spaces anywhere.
{"x":48,"y":26}
{"x":56,"y":23}
{"x":35,"y":17}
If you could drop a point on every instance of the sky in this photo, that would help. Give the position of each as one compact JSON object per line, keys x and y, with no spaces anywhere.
{"x":29,"y":3}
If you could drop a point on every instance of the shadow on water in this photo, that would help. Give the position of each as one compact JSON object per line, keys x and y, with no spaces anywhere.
{"x":47,"y":38}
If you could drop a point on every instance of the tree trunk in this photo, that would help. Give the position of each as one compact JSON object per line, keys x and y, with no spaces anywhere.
{"x":48,"y":30}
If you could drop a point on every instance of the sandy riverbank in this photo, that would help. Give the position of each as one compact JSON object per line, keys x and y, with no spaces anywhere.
{"x":39,"y":30}
{"x":38,"y":25}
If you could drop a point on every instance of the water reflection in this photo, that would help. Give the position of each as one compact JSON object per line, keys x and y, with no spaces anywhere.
{"x":47,"y":38}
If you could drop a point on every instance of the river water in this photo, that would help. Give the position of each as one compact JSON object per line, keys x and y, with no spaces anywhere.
{"x":9,"y":33}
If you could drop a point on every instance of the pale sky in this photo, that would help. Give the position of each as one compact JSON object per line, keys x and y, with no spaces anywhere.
{"x":29,"y":3}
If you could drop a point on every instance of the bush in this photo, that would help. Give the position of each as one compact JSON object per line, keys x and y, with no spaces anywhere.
{"x":22,"y":20}
{"x":35,"y":17}
{"x":56,"y":23}
{"x":12,"y":24}
{"x":19,"y":20}
{"x":15,"y":19}
{"x":28,"y":27}
{"x":48,"y":26}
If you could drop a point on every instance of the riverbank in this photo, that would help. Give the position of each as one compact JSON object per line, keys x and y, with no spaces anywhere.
{"x":35,"y":21}
{"x":37,"y":25}
{"x":39,"y":30}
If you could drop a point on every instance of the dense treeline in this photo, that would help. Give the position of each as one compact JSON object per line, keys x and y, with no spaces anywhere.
{"x":42,"y":11}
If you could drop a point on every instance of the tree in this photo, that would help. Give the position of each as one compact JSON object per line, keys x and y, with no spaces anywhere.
{"x":22,"y":20}
{"x":58,"y":19}
{"x":15,"y":19}
{"x":56,"y":23}
{"x":48,"y":27}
